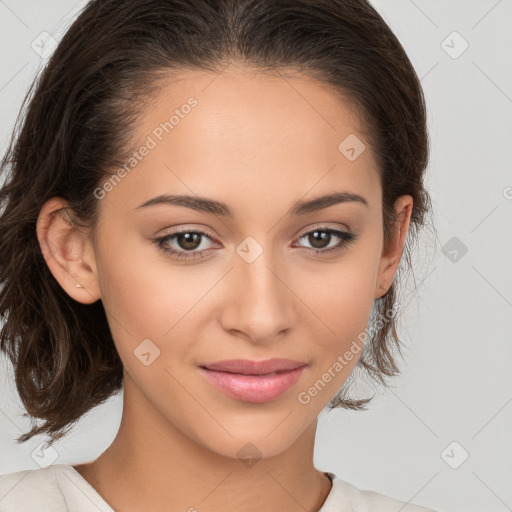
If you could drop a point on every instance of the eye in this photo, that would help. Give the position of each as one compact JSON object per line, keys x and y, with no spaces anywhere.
{"x":189,"y":241}
{"x":321,"y":236}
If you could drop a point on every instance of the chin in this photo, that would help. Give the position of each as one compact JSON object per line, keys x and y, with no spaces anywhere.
{"x":257,"y":442}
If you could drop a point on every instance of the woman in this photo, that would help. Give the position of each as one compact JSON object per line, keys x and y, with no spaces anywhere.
{"x":207,"y":202}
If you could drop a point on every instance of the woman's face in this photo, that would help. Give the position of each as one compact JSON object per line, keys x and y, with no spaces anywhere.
{"x":267,"y":282}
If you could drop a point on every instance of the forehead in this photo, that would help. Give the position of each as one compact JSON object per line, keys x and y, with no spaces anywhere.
{"x":252,"y":133}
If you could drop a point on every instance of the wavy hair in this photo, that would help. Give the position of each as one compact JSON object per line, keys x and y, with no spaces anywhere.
{"x":77,"y":127}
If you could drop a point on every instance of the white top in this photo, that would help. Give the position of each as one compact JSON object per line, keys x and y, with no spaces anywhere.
{"x":60,"y":488}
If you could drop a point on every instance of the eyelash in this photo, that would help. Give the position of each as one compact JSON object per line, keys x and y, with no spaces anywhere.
{"x":346,"y":239}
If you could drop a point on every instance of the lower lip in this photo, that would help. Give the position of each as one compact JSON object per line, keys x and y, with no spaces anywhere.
{"x":253,"y":388}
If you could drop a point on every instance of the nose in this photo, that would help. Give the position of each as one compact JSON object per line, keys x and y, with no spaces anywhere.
{"x":260,"y":303}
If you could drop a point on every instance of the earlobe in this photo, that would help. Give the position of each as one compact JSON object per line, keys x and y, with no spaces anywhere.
{"x":392,"y":253}
{"x":67,"y":252}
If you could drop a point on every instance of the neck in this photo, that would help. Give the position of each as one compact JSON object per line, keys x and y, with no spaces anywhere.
{"x":152,"y":464}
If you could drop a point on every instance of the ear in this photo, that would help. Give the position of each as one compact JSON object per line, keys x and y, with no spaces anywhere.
{"x":391,"y":254}
{"x":68,"y":252}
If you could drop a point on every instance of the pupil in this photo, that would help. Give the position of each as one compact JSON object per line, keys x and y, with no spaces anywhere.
{"x":191,"y":240}
{"x":323,"y":236}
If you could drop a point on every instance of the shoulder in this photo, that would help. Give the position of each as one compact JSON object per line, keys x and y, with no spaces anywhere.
{"x":345,"y":496}
{"x":25,"y":490}
{"x":58,"y":488}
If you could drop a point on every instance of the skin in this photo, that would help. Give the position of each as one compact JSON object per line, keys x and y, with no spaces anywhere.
{"x":259,"y":143}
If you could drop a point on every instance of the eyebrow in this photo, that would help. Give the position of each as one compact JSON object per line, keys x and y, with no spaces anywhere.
{"x":203,"y":204}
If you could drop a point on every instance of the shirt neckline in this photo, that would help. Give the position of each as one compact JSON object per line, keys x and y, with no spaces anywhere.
{"x":87,"y":487}
{"x":329,"y":501}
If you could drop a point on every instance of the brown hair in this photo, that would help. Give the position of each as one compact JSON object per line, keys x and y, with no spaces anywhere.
{"x":77,"y":128}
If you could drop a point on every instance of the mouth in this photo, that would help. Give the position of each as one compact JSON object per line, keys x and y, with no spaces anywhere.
{"x":252,"y":381}
{"x":248,"y":367}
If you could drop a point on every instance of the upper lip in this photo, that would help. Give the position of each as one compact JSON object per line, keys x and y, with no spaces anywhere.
{"x":248,"y":367}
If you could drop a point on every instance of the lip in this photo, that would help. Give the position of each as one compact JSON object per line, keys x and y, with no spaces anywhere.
{"x":248,"y":367}
{"x":254,"y":381}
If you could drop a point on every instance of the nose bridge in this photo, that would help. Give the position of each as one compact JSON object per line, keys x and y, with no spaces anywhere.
{"x":259,"y":277}
{"x":262,"y":305}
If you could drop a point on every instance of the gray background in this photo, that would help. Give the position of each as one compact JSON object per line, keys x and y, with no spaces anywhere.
{"x":454,"y":397}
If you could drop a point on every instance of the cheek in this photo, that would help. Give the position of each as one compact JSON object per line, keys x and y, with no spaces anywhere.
{"x":341,"y":296}
{"x":341,"y":300}
{"x":144,"y":295}
{"x":147,"y":296}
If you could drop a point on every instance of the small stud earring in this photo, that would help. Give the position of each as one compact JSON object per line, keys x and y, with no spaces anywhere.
{"x":78,"y":285}
{"x":383,"y":286}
